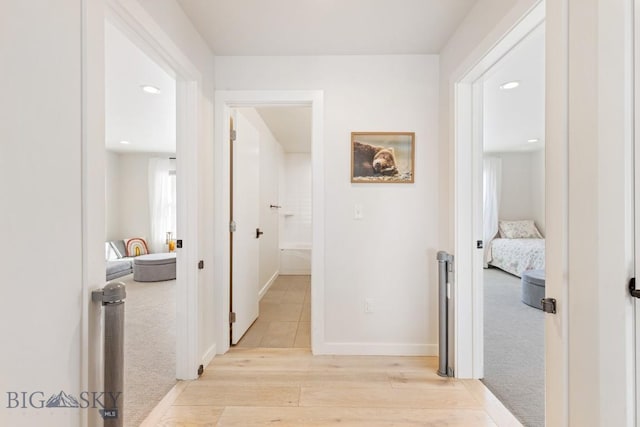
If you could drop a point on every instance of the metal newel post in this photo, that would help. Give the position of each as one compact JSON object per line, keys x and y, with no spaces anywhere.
{"x":112,"y":298}
{"x":443,"y":267}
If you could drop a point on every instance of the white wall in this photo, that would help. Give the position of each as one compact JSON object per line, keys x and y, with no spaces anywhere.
{"x":271,"y":162}
{"x":112,"y":193}
{"x":50,"y":324}
{"x":538,"y":193}
{"x":389,"y":255}
{"x":296,"y":206}
{"x":128,"y":194}
{"x":40,"y":170}
{"x":593,"y":194}
{"x":134,"y":196}
{"x":522,"y":195}
{"x":515,"y":200}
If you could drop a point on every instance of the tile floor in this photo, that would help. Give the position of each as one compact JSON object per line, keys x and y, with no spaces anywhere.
{"x":285,"y":316}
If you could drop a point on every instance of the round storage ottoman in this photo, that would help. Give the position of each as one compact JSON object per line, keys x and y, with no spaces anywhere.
{"x":533,"y":288}
{"x":154,"y":267}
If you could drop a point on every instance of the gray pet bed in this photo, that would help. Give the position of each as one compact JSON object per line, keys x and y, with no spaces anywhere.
{"x":154,"y":267}
{"x":533,"y":288}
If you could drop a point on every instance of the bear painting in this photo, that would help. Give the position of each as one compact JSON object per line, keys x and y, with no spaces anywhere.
{"x":370,"y":160}
{"x":382,"y":158}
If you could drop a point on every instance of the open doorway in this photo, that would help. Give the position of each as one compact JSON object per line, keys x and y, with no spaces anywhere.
{"x":296,"y":241}
{"x":141,"y":212}
{"x":491,"y":329}
{"x":271,"y":190}
{"x":513,"y":128}
{"x":285,"y":222}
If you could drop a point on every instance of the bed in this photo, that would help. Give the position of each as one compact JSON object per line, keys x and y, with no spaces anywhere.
{"x":516,"y":256}
{"x":519,"y":247}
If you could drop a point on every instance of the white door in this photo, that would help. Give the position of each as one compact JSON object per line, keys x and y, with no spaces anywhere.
{"x":245,"y":214}
{"x":636,"y":169}
{"x":636,"y":304}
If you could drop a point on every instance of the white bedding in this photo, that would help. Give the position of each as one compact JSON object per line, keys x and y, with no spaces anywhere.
{"x":517,"y":255}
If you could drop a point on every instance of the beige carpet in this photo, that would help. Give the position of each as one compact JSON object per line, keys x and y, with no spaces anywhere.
{"x":150,"y":345}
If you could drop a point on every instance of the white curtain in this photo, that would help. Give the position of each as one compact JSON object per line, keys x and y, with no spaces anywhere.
{"x":492,"y":178}
{"x":161,"y":203}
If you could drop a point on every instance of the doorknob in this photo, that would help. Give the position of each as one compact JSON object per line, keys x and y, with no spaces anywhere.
{"x":259,"y":233}
{"x":632,"y":288}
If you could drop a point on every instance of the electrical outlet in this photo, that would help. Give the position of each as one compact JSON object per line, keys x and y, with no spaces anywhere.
{"x":368,"y":305}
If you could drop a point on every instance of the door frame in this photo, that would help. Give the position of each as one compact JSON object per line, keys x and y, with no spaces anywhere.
{"x":225,"y":100}
{"x":144,"y":32}
{"x":468,"y":291}
{"x":636,"y":204}
{"x":468,"y":303}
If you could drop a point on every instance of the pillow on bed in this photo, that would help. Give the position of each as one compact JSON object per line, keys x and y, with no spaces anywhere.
{"x":525,"y":229}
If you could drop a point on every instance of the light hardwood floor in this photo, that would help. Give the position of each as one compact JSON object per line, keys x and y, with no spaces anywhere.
{"x":291,"y":387}
{"x":285,"y":316}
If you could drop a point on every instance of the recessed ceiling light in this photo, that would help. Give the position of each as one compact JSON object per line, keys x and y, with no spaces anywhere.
{"x":150,"y":89}
{"x":125,"y":142}
{"x":510,"y":85}
{"x":533,"y":140}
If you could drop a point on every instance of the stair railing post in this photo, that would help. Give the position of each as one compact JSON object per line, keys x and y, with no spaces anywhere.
{"x":112,"y":299}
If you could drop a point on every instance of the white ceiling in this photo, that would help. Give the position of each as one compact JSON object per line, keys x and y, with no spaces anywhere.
{"x":291,"y":126}
{"x":312,"y":27}
{"x":147,"y":121}
{"x":326,"y":27}
{"x":512,"y":117}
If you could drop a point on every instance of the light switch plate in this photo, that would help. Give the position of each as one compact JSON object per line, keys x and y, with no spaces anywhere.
{"x":368,"y":305}
{"x":357,"y":212}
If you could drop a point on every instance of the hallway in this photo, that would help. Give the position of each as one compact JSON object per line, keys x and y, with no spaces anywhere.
{"x":285,"y":316}
{"x":291,"y":387}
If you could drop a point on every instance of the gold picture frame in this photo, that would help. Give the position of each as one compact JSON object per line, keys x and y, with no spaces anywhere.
{"x":382,"y":157}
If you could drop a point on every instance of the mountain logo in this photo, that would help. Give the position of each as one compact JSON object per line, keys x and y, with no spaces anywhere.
{"x":62,"y":400}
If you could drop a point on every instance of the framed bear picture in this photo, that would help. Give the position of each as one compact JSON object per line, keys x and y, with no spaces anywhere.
{"x":382,"y":157}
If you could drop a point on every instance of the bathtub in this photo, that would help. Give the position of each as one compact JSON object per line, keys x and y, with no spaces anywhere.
{"x":295,"y":258}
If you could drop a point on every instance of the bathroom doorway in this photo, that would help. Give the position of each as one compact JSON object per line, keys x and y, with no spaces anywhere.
{"x":271,"y":237}
{"x":227,"y":102}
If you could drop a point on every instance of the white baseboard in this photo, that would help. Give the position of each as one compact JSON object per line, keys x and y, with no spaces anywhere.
{"x":296,"y":272}
{"x":267,"y":285}
{"x":376,"y":349}
{"x":209,"y":355}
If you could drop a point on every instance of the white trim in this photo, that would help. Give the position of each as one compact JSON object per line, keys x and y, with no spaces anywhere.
{"x":296,"y":272}
{"x":93,"y":200}
{"x":139,"y":27}
{"x":135,"y":22}
{"x":379,"y":349}
{"x":615,"y":141}
{"x":224,"y":100}
{"x":209,"y":355}
{"x":187,"y":304}
{"x":478,"y":222}
{"x":636,"y":197}
{"x":267,"y":285}
{"x":467,"y":304}
{"x":557,"y":211}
